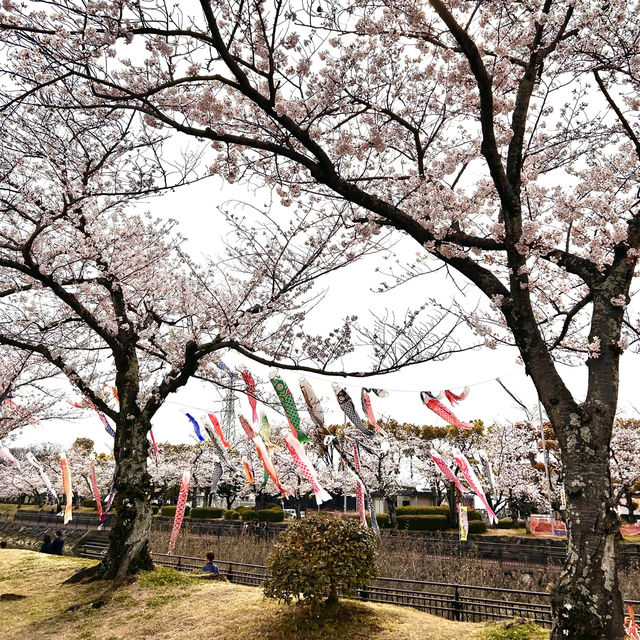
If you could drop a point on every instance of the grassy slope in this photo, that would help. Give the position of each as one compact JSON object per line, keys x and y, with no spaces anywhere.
{"x":190,"y":609}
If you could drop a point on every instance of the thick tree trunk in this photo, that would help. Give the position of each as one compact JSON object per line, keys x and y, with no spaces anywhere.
{"x":129,"y":538}
{"x":586,"y":601}
{"x":391,"y":505}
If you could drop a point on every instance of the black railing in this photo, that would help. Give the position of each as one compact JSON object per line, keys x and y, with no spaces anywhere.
{"x":462,"y":602}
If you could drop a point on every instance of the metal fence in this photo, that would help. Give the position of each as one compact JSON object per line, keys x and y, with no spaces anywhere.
{"x":462,"y":602}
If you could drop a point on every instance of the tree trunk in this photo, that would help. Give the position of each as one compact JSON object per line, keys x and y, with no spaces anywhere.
{"x":129,"y":538}
{"x":630,"y":508}
{"x":452,"y":494}
{"x":586,"y":601}
{"x":391,"y":505}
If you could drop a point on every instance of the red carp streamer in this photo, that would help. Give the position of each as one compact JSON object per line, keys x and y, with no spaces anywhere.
{"x":368,"y":410}
{"x":631,"y":628}
{"x":267,"y":463}
{"x":248,"y":473}
{"x":66,"y":487}
{"x":359,"y":487}
{"x":474,"y":483}
{"x":305,"y":466}
{"x":153,"y":441}
{"x":251,"y":392}
{"x":439,"y":409}
{"x":248,"y":429}
{"x":182,"y":503}
{"x":453,"y":398}
{"x":445,"y":470}
{"x":93,"y":481}
{"x":218,"y":428}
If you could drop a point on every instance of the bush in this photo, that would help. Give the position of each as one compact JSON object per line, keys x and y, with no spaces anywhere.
{"x":383,"y":520}
{"x":317,"y":557}
{"x":206,"y":513}
{"x":506,"y":523}
{"x":472,"y":514}
{"x":230,"y":514}
{"x":164,"y":577}
{"x":272,"y":505}
{"x":170,"y":510}
{"x":270,"y":515}
{"x":154,"y":509}
{"x":442,"y":510}
{"x":249,"y":514}
{"x":90,"y":502}
{"x":423,"y":523}
{"x":241,"y":509}
{"x":477,"y":526}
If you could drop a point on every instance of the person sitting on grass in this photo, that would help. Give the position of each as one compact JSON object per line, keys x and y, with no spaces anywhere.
{"x":46,"y":544}
{"x":57,"y":544}
{"x":210,"y":567}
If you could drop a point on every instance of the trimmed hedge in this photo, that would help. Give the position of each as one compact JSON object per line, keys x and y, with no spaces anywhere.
{"x":241,"y":509}
{"x":472,"y":514}
{"x":383,"y":520}
{"x":90,"y":502}
{"x":434,"y":522}
{"x":477,"y":526}
{"x":442,"y":510}
{"x":154,"y":509}
{"x":506,"y":523}
{"x":249,"y":514}
{"x":270,"y":515}
{"x":206,"y":513}
{"x":170,"y":510}
{"x":230,"y":514}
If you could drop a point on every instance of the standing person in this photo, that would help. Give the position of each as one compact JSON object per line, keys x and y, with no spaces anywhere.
{"x":57,"y":544}
{"x":210,"y":567}
{"x":46,"y":544}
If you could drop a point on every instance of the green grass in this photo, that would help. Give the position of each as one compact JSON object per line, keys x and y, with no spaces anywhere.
{"x":164,"y":605}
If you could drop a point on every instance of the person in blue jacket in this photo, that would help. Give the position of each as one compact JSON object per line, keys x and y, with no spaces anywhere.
{"x":210,"y":567}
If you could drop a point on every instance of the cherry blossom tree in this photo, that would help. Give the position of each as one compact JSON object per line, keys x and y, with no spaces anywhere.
{"x":111,"y":300}
{"x":502,"y":137}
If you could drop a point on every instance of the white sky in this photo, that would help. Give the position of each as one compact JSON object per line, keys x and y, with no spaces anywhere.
{"x":195,"y":209}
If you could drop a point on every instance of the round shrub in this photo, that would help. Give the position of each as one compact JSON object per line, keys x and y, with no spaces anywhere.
{"x":206,"y":513}
{"x":506,"y":523}
{"x":154,"y":509}
{"x":383,"y":520}
{"x":249,"y":514}
{"x":241,"y":509}
{"x":472,"y":514}
{"x":272,"y":505}
{"x":271,"y":515}
{"x":170,"y":510}
{"x":88,"y":503}
{"x":317,"y":557}
{"x":477,"y":526}
{"x":230,"y":514}
{"x":423,"y":523}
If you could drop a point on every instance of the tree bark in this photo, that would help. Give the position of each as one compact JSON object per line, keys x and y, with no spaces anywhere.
{"x":129,"y":538}
{"x":391,"y":505}
{"x":586,"y":601}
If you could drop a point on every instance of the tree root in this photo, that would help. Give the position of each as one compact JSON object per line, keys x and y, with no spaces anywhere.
{"x":88,"y":574}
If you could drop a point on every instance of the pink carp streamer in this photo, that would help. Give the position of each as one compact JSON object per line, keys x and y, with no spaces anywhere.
{"x":45,"y":478}
{"x":182,"y":503}
{"x":475,"y":485}
{"x":93,"y":481}
{"x":439,"y":409}
{"x":218,"y":428}
{"x":66,"y":487}
{"x":359,"y":487}
{"x":312,"y":402}
{"x":251,"y":392}
{"x":453,"y":398}
{"x":365,"y":399}
{"x":5,"y":453}
{"x":305,"y":466}
{"x":446,"y":471}
{"x":248,"y":473}
{"x":153,"y":441}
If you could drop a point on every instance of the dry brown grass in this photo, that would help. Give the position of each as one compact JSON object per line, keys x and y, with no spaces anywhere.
{"x":190,"y":609}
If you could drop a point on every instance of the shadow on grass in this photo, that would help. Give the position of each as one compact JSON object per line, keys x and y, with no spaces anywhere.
{"x":347,"y":620}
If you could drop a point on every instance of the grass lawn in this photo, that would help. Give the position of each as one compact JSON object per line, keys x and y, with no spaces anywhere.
{"x":166,"y":604}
